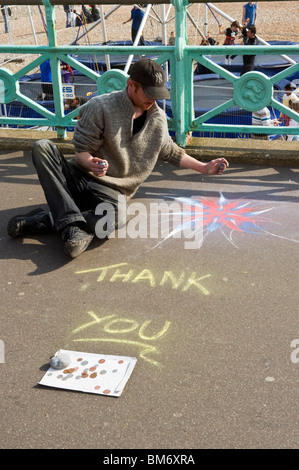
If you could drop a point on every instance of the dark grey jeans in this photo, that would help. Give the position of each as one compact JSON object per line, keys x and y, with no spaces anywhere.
{"x":71,"y":193}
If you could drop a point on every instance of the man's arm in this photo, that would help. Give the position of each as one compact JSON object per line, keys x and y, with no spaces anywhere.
{"x":130,"y":19}
{"x":244,"y":14}
{"x":244,"y":36}
{"x":213,"y":167}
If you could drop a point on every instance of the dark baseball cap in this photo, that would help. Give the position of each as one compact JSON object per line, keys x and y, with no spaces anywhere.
{"x":150,"y":75}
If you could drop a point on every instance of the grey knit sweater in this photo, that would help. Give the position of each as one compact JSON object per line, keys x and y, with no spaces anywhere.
{"x":105,"y":130}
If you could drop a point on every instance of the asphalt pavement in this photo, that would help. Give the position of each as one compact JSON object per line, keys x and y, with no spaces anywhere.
{"x":213,"y":324}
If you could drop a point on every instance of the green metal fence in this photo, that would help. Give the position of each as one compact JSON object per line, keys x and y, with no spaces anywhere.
{"x":252,"y":91}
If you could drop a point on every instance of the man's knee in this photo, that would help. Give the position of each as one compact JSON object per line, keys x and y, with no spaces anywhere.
{"x":42,"y":144}
{"x":42,"y":149}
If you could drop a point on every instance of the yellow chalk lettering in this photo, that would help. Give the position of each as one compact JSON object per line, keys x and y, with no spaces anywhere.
{"x":157,"y":335}
{"x":175,"y":283}
{"x":145,"y":275}
{"x":104,"y":272}
{"x":100,"y":269}
{"x":125,"y":276}
{"x":95,"y":321}
{"x":133,"y":326}
{"x":193,"y":281}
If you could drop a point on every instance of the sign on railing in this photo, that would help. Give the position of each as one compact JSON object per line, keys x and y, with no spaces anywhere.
{"x":68,"y":91}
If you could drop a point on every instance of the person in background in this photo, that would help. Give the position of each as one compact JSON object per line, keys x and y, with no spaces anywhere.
{"x":262,"y":117}
{"x":230,"y":37}
{"x":95,"y":13}
{"x":76,"y":19}
{"x":118,"y":140}
{"x":68,"y":9}
{"x":86,"y":15}
{"x":289,"y":94}
{"x":249,"y":39}
{"x":46,"y":79}
{"x":171,"y":40}
{"x":66,"y":71}
{"x":74,"y":103}
{"x":294,"y":105}
{"x":136,"y":18}
{"x":208,"y":41}
{"x":6,"y":13}
{"x":249,"y":14}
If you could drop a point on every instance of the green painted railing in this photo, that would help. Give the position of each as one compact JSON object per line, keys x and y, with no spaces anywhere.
{"x":252,"y":91}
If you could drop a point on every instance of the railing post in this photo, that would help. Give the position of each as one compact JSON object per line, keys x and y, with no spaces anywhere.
{"x":51,"y":23}
{"x":180,"y":112}
{"x":55,"y":66}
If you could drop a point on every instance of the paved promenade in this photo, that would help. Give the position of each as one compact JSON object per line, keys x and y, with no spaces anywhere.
{"x":214,"y":329}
